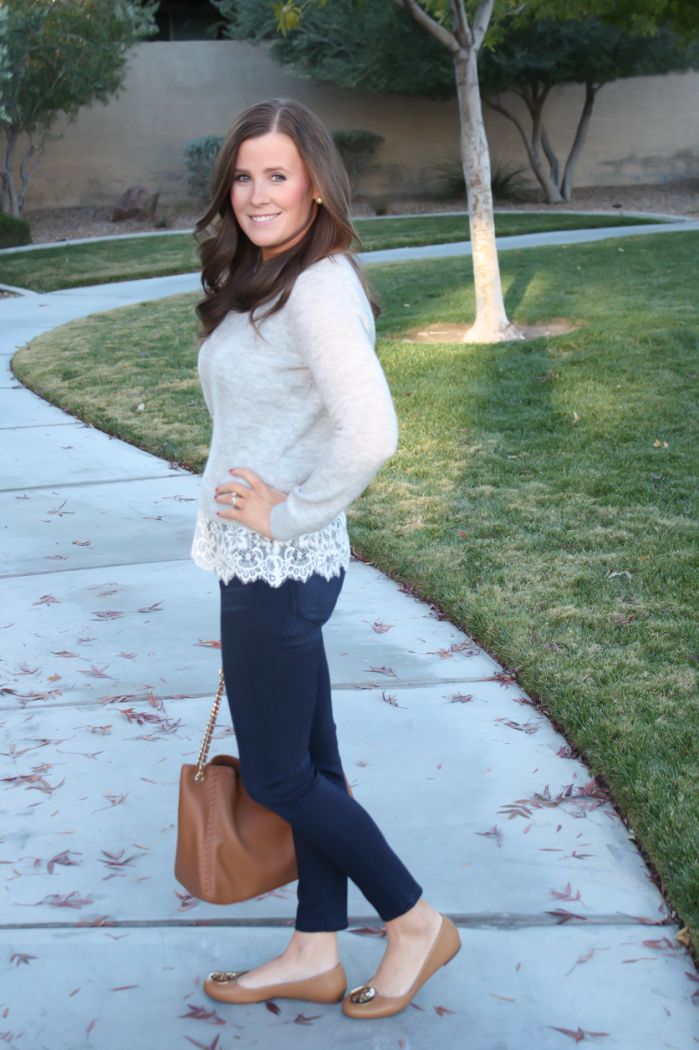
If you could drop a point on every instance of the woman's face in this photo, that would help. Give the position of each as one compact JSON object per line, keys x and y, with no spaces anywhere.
{"x":272,"y":194}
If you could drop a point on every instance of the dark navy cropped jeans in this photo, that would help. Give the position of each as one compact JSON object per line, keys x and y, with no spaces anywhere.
{"x":278,"y":687}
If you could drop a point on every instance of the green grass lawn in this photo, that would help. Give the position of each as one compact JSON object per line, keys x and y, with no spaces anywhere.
{"x":75,"y":266}
{"x":378,"y":234}
{"x":528,"y":483}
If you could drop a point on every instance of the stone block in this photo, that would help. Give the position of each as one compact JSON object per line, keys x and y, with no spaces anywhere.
{"x":136,"y":203}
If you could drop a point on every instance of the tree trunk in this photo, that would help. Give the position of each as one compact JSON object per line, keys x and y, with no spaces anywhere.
{"x":551,"y":157}
{"x":25,"y":175}
{"x":579,"y":142}
{"x":8,"y":179}
{"x":531,"y":144}
{"x":491,"y":324}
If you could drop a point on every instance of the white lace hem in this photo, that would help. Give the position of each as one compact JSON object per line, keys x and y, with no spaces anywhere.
{"x":235,"y":551}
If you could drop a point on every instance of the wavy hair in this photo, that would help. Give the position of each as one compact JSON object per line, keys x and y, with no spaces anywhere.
{"x":233,"y":275}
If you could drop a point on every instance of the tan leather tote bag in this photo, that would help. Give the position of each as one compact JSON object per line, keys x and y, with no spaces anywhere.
{"x":229,"y":848}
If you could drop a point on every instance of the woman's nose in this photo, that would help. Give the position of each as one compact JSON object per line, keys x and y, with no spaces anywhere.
{"x":259,"y":193}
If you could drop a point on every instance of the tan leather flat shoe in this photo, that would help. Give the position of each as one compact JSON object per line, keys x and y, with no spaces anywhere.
{"x":326,"y":988}
{"x":365,"y":1001}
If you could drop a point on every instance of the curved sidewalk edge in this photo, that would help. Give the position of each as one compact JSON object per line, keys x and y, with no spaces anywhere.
{"x":526,"y":240}
{"x":659,"y":216}
{"x":78,"y":302}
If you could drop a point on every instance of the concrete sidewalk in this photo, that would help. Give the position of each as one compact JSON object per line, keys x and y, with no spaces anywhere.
{"x":107,"y":674}
{"x":125,"y":291}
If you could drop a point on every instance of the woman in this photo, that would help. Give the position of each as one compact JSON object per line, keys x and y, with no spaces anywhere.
{"x":302,"y":420}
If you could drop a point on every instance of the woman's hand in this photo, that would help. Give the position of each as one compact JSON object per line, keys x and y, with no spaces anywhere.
{"x":249,"y":504}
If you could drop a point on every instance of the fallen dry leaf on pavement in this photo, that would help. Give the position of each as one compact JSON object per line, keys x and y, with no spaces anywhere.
{"x":62,"y":858}
{"x":96,"y":672}
{"x":70,"y":900}
{"x":202,"y":1046}
{"x":302,"y":1019}
{"x":494,"y":833}
{"x":383,"y":670}
{"x":201,"y":1013}
{"x":566,"y":894}
{"x":581,"y":959}
{"x":187,"y":901}
{"x":391,"y":699}
{"x":564,"y":916}
{"x":580,"y":1034}
{"x":47,"y":599}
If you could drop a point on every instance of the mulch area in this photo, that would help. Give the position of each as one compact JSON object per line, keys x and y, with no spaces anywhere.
{"x":670,"y":198}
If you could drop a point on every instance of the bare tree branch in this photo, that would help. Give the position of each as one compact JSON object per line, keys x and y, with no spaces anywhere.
{"x":579,"y":141}
{"x":551,"y":156}
{"x":481,"y":22}
{"x":422,"y":18}
{"x":459,"y":21}
{"x":531,"y":144}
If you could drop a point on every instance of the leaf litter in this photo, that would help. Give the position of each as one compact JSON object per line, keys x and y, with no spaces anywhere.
{"x":382,"y":670}
{"x":391,"y":699}
{"x":567,"y":895}
{"x":380,"y":627}
{"x":68,"y":900}
{"x":580,"y":1034}
{"x":201,"y":1013}
{"x":584,"y":799}
{"x":494,"y":833}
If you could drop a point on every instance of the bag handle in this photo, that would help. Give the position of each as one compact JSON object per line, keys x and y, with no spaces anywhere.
{"x":204,"y":750}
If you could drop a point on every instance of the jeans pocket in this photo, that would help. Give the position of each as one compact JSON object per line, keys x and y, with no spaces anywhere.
{"x":315,"y":599}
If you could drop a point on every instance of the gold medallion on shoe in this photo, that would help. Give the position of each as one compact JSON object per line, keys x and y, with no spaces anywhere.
{"x":326,"y":988}
{"x":366,"y":1003}
{"x":364,"y":994}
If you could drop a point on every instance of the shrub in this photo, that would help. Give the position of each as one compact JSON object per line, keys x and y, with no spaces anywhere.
{"x":201,"y":156}
{"x":356,"y":148}
{"x":14,"y":232}
{"x":505,"y":179}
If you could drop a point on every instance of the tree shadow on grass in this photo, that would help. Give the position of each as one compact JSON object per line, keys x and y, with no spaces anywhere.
{"x":518,"y":289}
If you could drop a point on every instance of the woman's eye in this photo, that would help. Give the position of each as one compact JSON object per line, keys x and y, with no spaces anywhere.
{"x":241,"y":178}
{"x":280,"y":177}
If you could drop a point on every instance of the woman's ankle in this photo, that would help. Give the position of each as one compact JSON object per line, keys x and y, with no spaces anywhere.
{"x":313,"y":946}
{"x":418,"y":921}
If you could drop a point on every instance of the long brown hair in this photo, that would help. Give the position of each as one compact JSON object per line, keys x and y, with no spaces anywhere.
{"x":232,"y":274}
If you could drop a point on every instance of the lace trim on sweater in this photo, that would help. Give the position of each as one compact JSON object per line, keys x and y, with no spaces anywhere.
{"x":233,"y":550}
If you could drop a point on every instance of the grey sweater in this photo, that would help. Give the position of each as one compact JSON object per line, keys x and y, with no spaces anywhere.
{"x":304,"y":404}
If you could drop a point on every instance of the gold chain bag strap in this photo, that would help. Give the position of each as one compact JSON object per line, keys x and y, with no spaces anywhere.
{"x":229,"y":848}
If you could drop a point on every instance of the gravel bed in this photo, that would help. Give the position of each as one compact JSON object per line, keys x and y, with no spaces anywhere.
{"x":671,"y":198}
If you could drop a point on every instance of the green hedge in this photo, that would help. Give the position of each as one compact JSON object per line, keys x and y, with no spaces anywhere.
{"x":14,"y":232}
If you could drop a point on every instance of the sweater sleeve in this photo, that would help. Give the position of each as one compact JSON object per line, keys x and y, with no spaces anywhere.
{"x":331,"y":324}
